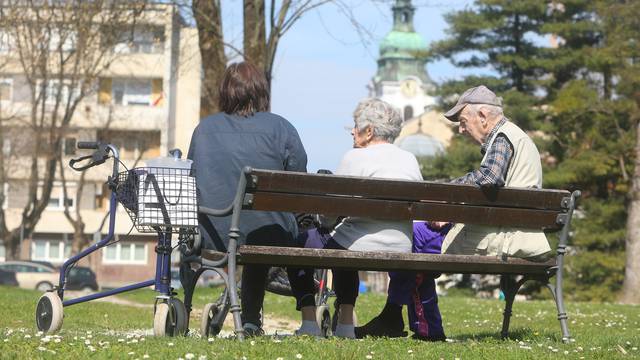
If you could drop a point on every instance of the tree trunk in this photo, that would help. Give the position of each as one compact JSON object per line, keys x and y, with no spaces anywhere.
{"x":207,"y":14}
{"x":631,"y":286}
{"x":12,"y":245}
{"x":255,"y":46}
{"x":79,"y":238}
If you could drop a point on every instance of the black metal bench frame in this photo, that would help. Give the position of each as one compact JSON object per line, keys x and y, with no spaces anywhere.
{"x":390,"y":200}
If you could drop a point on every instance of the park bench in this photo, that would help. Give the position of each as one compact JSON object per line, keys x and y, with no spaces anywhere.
{"x":397,"y":200}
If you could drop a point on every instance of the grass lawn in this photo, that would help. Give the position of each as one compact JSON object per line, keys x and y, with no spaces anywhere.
{"x":109,"y":331}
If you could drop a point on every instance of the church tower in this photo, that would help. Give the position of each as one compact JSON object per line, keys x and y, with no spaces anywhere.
{"x":402,"y":78}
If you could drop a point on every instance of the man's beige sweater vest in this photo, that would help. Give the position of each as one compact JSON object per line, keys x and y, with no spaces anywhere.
{"x":525,"y":171}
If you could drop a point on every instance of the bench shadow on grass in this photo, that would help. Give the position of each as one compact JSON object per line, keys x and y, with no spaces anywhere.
{"x":515,"y":334}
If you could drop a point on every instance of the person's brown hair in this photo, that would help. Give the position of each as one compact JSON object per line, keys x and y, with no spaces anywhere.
{"x":244,"y":90}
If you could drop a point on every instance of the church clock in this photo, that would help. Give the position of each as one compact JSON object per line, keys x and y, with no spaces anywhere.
{"x":409,"y":88}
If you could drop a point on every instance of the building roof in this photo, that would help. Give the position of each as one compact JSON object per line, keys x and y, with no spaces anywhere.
{"x":402,"y":44}
{"x":421,"y":145}
{"x":425,"y":135}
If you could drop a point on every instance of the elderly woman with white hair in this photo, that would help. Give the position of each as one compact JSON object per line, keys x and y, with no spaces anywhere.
{"x":376,"y":125}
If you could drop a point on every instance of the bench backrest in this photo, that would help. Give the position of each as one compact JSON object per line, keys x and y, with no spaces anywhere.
{"x":405,"y":200}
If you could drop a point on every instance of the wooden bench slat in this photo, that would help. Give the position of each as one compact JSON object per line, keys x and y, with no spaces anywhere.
{"x":404,"y":210}
{"x":384,"y":261}
{"x":320,"y":184}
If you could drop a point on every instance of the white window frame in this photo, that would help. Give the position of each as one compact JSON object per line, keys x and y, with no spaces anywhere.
{"x":6,"y":42}
{"x":7,"y":80}
{"x":69,"y":43}
{"x":118,"y":248}
{"x":57,"y":186}
{"x":50,"y":96}
{"x":143,"y":42}
{"x":47,"y":249}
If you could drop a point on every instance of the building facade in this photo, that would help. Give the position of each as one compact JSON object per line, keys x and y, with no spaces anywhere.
{"x":145,"y":102}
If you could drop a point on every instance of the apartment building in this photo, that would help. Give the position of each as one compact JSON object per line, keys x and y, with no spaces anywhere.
{"x":145,"y":102}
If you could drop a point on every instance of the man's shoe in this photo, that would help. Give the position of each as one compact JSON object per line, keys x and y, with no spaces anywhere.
{"x":251,"y":330}
{"x":434,"y":338}
{"x":379,"y":328}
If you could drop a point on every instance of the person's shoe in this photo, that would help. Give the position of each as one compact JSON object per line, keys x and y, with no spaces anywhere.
{"x":251,"y":330}
{"x":345,"y":331}
{"x":309,"y":328}
{"x":434,"y":338}
{"x":379,"y":328}
{"x":278,"y":282}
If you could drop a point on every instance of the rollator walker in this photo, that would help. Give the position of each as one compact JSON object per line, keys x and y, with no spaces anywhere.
{"x":160,"y":200}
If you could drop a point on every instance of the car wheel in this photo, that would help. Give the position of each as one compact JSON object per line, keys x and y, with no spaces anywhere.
{"x":44,"y":286}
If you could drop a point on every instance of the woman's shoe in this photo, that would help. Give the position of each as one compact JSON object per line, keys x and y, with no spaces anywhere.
{"x":251,"y":330}
{"x":380,"y":328}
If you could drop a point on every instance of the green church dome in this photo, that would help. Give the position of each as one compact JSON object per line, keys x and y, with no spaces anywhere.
{"x":402,"y":44}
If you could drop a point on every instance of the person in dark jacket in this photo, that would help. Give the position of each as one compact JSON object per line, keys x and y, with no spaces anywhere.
{"x":244,"y":133}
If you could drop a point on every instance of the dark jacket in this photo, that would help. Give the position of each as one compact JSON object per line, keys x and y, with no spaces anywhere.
{"x":221,"y":146}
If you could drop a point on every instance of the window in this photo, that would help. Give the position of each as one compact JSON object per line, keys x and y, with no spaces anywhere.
{"x":6,"y":89}
{"x":6,"y":42}
{"x":146,"y":92}
{"x":6,"y":147}
{"x":141,"y":40}
{"x":69,"y":146}
{"x":125,"y":253}
{"x":133,"y":144}
{"x":63,"y":39}
{"x":5,"y":203}
{"x":49,"y":250}
{"x":131,"y":92}
{"x":52,"y":88}
{"x":408,"y":112}
{"x":3,"y":252}
{"x":57,"y":195}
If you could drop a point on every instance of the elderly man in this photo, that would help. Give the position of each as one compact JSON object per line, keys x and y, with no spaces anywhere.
{"x":510,"y":159}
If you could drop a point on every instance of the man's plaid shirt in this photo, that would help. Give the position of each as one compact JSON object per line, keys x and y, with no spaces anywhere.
{"x":493,"y":169}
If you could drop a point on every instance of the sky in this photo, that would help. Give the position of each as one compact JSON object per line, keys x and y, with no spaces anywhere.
{"x":323,"y":66}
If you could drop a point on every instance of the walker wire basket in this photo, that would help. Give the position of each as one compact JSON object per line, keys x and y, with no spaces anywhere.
{"x":159,"y":199}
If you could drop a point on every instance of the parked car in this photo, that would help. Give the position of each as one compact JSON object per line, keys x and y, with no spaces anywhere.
{"x":31,"y":275}
{"x":81,"y":278}
{"x":8,"y":278}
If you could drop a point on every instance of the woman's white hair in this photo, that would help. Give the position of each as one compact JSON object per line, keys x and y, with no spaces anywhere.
{"x":383,"y":118}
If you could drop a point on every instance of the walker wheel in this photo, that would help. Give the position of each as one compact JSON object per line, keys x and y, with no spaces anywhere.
{"x":170,"y":319}
{"x":323,"y":318}
{"x":49,"y":313}
{"x":207,"y":326}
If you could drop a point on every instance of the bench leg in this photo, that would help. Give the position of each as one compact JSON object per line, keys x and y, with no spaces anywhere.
{"x":188,"y":279}
{"x":510,"y":288}
{"x":231,"y":287}
{"x":562,"y":314}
